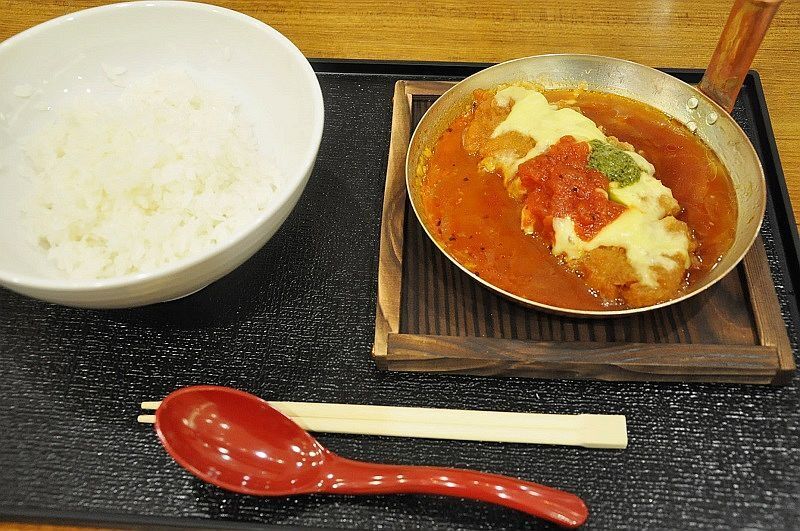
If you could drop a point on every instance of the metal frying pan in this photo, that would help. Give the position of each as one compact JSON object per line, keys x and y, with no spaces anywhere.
{"x":699,"y":112}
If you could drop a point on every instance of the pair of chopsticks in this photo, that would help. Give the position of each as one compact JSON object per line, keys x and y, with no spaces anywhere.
{"x":590,"y":431}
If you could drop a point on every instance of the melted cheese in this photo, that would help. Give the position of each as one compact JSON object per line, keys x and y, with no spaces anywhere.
{"x":647,"y":242}
{"x":642,"y":230}
{"x":647,"y":194}
{"x":642,"y":162}
{"x":532,"y":115}
{"x":510,"y":94}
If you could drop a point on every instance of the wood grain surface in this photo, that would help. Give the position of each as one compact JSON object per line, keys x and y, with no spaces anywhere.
{"x":387,"y":315}
{"x":766,"y":310}
{"x":583,"y":359}
{"x":678,"y":33}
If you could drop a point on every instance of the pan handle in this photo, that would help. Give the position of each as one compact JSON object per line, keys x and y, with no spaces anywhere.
{"x":738,"y":44}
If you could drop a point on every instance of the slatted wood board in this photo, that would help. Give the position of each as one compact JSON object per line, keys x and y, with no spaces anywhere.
{"x":432,"y":317}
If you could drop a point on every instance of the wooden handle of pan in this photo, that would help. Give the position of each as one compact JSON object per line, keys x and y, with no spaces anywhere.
{"x":742,"y":35}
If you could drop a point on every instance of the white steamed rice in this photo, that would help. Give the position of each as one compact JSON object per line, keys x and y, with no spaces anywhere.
{"x":167,"y":171}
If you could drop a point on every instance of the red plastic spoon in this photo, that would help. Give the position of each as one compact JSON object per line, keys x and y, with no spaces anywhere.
{"x":238,"y":442}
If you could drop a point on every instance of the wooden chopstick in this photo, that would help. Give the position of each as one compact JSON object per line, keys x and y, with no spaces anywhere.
{"x":590,"y":431}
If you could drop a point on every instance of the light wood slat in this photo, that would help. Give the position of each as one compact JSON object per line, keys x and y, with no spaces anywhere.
{"x":588,"y":430}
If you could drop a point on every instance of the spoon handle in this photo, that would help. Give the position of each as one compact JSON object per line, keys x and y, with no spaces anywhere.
{"x":356,"y":477}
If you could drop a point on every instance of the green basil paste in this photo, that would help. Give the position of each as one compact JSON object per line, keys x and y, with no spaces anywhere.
{"x":614,"y":163}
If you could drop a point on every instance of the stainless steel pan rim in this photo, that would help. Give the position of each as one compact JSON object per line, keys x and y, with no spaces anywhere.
{"x":672,"y":96}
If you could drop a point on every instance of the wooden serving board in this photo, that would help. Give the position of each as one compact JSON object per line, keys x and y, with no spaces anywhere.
{"x":432,"y":317}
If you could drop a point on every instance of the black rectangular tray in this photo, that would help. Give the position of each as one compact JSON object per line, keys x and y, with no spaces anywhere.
{"x":296,"y":323}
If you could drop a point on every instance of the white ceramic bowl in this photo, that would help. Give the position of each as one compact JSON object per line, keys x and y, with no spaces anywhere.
{"x":225,"y":50}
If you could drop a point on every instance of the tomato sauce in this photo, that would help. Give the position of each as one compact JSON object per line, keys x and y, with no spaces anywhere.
{"x":693,"y":172}
{"x":471,"y":214}
{"x":559,"y":183}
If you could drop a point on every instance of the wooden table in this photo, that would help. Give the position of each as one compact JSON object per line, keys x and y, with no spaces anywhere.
{"x":676,"y":33}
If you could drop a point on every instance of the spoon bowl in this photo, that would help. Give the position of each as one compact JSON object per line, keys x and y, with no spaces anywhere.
{"x":238,"y":442}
